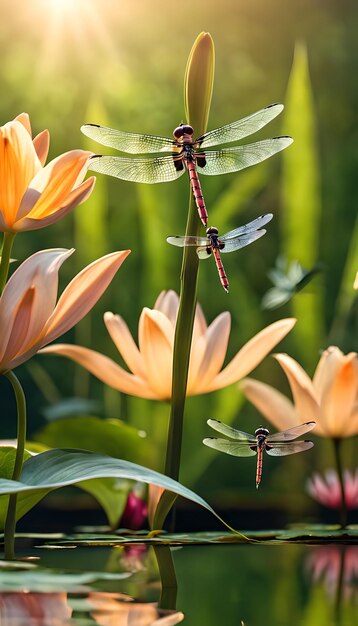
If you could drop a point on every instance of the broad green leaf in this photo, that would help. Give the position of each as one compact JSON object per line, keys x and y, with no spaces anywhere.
{"x":111,"y":494}
{"x":47,"y":581}
{"x":301,"y":201}
{"x":347,"y":294}
{"x":60,"y":467}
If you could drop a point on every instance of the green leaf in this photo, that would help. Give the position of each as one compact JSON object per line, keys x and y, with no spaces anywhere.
{"x":47,"y":581}
{"x":301,"y":201}
{"x":111,"y":494}
{"x":60,"y":467}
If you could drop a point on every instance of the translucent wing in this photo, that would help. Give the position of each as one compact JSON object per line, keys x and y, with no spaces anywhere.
{"x":203,"y":253}
{"x":230,"y":447}
{"x":234,"y":159}
{"x":242,"y":240}
{"x":127,"y":142}
{"x":249,"y":227}
{"x":157,"y":170}
{"x":181,"y":242}
{"x":242,"y":128}
{"x":291,"y":433}
{"x":224,"y":429}
{"x":283,"y":449}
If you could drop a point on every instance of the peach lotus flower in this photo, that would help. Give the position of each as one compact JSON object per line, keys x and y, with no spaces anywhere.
{"x":33,"y":195}
{"x":29,"y":315}
{"x":151,"y":364}
{"x":330,"y":399}
{"x":327,"y":490}
{"x":117,"y":610}
{"x":34,"y":609}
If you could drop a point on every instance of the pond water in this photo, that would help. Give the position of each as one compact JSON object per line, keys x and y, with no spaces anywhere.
{"x":262,"y":585}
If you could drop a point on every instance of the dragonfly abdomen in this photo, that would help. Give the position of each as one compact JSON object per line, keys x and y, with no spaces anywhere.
{"x":196,"y":188}
{"x":219,"y":264}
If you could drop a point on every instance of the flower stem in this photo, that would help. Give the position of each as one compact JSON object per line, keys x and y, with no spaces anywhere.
{"x":337,"y":453}
{"x":168,"y":596}
{"x":7,"y":243}
{"x":10,"y":522}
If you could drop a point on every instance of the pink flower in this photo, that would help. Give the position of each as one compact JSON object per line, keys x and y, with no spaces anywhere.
{"x":135,"y":512}
{"x":29,"y":315}
{"x":333,"y":566}
{"x":327,"y":490}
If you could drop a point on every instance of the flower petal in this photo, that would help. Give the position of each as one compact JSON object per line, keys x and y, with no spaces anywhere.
{"x":21,"y":320}
{"x":18,"y":165}
{"x":156,"y":346}
{"x":339,"y":395}
{"x":302,"y":390}
{"x":277,"y":409}
{"x":24,"y":119}
{"x":125,"y":344}
{"x":252,"y":353}
{"x":168,"y":303}
{"x":82,"y":294}
{"x":41,"y":144}
{"x":40,"y":272}
{"x":104,"y":369}
{"x":211,"y":350}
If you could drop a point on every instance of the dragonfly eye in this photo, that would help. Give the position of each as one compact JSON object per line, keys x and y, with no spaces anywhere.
{"x":178,"y":132}
{"x":212,"y":231}
{"x":188,"y":130}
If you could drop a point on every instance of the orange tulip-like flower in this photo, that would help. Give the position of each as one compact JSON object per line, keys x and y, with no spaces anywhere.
{"x":33,"y":195}
{"x":330,"y":399}
{"x":151,"y":364}
{"x":29,"y":315}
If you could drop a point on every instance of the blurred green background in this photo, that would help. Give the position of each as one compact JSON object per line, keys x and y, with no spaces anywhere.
{"x":121,"y":64}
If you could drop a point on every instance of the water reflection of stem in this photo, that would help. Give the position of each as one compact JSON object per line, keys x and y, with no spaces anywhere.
{"x":339,"y":590}
{"x":337,"y":453}
{"x":168,"y":596}
{"x":10,"y":523}
{"x":7,"y":243}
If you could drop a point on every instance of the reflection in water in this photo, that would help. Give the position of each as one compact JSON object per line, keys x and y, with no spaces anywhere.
{"x":337,"y":568}
{"x":103,"y":609}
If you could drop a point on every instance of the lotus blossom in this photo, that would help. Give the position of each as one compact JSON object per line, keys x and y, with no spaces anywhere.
{"x":335,"y":566}
{"x":33,"y":195}
{"x":135,"y":512}
{"x":34,"y":609}
{"x":327,"y":490}
{"x":151,"y":363}
{"x":29,"y":315}
{"x":115,"y":610}
{"x":330,"y":399}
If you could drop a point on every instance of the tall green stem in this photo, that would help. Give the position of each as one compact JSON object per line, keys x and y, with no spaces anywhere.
{"x":10,"y":523}
{"x":337,"y":454}
{"x":7,"y":243}
{"x":168,"y":596}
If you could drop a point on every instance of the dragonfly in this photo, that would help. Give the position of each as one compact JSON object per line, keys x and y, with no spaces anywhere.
{"x":287,"y":282}
{"x":185,"y":152}
{"x":244,"y":444}
{"x":215,"y":244}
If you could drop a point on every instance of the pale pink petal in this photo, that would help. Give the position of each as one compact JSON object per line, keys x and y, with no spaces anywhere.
{"x":252,"y":353}
{"x":76,"y":197}
{"x":24,"y":119}
{"x":302,"y":389}
{"x":154,"y":494}
{"x":41,"y":145}
{"x":168,"y":303}
{"x":40,"y":271}
{"x":272,"y":404}
{"x":200,"y":324}
{"x":125,"y":344}
{"x":340,"y":392}
{"x":327,"y":369}
{"x":82,"y":294}
{"x":156,"y":346}
{"x":21,"y":320}
{"x":213,"y":351}
{"x":104,"y":369}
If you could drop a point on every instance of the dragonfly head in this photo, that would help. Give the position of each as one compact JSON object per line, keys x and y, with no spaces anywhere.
{"x":183,"y":129}
{"x":262,"y":431}
{"x":212,"y":231}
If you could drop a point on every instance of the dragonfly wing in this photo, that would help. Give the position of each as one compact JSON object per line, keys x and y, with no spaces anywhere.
{"x":181,"y":242}
{"x":283,"y":449}
{"x":242,"y":240}
{"x":127,"y":142}
{"x":276,"y":297}
{"x":240,"y":129}
{"x":224,"y":429}
{"x":259,"y":222}
{"x":157,"y":170}
{"x":234,"y":159}
{"x":291,"y":433}
{"x":230,"y":447}
{"x":203,"y":253}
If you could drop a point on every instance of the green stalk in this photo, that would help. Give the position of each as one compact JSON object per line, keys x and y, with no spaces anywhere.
{"x":169,"y":585}
{"x":10,"y":523}
{"x":198,"y":85}
{"x":337,"y":454}
{"x":7,"y":243}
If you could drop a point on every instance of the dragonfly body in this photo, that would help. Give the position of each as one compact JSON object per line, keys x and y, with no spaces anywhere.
{"x":186,"y":153}
{"x":215,"y":244}
{"x":244,"y":444}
